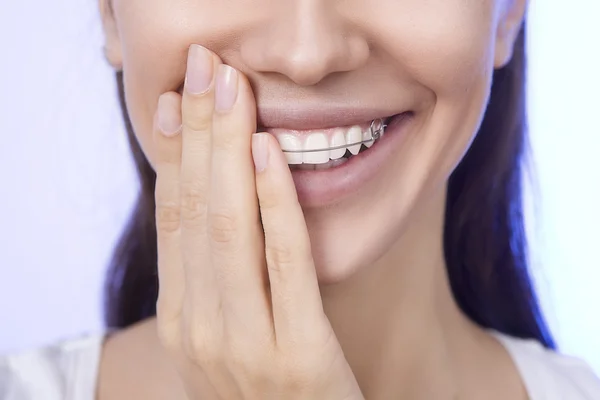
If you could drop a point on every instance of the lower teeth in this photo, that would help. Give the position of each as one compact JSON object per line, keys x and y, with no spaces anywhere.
{"x":327,"y":165}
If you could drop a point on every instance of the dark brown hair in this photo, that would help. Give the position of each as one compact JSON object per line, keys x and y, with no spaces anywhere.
{"x":484,"y":240}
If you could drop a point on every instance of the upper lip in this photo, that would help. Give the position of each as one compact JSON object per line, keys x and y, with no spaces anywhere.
{"x":317,"y":117}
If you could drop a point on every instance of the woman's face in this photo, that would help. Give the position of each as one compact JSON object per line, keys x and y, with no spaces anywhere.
{"x":322,"y":63}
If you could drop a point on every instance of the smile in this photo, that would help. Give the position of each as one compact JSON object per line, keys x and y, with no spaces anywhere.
{"x":330,"y":147}
{"x":327,"y":176}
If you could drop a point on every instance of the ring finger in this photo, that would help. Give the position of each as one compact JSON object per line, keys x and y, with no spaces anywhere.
{"x":202,"y":296}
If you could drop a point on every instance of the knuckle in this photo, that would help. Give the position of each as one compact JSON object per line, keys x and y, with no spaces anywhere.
{"x":254,"y":369}
{"x":193,"y":203}
{"x":198,"y":124}
{"x":278,"y":255}
{"x":197,"y":114}
{"x":200,"y":348}
{"x":168,"y":216}
{"x":298,"y":374}
{"x":225,"y":143}
{"x":270,"y":198}
{"x":168,"y":336}
{"x":169,"y":344}
{"x":222,"y":228}
{"x":201,"y":337}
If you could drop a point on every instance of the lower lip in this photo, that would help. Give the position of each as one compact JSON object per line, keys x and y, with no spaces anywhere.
{"x":318,"y":188}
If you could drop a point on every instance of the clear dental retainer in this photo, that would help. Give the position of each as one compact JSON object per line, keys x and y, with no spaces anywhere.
{"x":377,"y":129}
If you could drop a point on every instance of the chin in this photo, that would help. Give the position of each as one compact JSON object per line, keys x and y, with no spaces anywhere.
{"x":344,"y":247}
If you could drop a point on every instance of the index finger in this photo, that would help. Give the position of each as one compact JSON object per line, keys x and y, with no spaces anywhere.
{"x":296,"y":299}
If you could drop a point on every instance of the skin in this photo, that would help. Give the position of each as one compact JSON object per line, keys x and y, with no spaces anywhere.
{"x":317,"y":302}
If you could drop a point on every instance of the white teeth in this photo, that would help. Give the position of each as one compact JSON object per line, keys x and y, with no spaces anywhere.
{"x":366,"y":135}
{"x":291,"y":142}
{"x":316,"y":141}
{"x":354,"y":135}
{"x":338,"y":139}
{"x":299,"y":147}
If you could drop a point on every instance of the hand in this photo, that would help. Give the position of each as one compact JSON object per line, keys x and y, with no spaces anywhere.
{"x":239,"y":308}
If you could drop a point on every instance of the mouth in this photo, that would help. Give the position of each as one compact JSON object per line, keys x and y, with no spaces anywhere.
{"x":320,"y":144}
{"x":323,"y":178}
{"x":319,"y":149}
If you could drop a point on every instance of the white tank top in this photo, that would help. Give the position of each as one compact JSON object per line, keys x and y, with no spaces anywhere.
{"x":69,"y":370}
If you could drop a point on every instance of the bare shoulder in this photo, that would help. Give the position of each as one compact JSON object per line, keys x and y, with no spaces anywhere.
{"x":134,"y":366}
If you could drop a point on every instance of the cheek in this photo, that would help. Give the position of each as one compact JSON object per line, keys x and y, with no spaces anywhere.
{"x":444,"y":50}
{"x":444,"y":45}
{"x":155,"y":36}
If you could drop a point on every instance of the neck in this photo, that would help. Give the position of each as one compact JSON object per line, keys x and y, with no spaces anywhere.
{"x":397,"y":320}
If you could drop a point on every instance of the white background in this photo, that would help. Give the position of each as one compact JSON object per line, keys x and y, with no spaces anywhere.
{"x":67,"y":181}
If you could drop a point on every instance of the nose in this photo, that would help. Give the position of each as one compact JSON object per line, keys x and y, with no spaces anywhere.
{"x":305,"y":40}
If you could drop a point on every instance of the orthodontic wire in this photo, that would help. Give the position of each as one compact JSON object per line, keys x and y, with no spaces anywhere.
{"x":376,"y":133}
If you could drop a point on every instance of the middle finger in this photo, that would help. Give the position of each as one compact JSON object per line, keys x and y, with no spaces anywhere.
{"x":202,"y":296}
{"x":237,"y":238}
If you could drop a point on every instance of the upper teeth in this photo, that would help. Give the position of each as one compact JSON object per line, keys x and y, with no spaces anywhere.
{"x":319,"y":140}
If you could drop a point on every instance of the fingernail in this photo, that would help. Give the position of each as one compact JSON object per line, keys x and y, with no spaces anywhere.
{"x":169,"y":120}
{"x":260,"y":151}
{"x":199,"y":72}
{"x":226,"y":87}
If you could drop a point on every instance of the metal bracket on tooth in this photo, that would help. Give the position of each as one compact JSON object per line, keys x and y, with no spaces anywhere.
{"x":377,"y":129}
